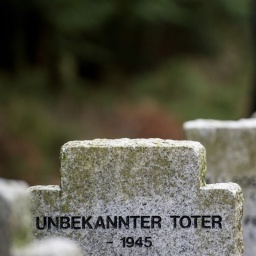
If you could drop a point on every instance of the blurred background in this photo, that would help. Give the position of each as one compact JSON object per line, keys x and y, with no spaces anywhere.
{"x":85,"y":69}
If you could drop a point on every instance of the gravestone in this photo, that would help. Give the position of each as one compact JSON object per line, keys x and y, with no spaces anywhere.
{"x":231,"y":156}
{"x":15,"y":226}
{"x":14,"y":216}
{"x":139,"y":197}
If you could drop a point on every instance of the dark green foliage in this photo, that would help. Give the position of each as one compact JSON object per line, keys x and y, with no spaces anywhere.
{"x":80,"y":69}
{"x":111,"y":36}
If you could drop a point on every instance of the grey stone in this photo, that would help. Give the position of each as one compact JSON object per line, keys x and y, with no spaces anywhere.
{"x":15,"y":226}
{"x":231,"y":156}
{"x":50,"y":247}
{"x":15,"y":215}
{"x":139,"y":197}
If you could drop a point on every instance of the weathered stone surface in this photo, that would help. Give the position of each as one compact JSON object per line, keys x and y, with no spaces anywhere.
{"x":15,"y":226}
{"x":231,"y":156}
{"x":15,"y":215}
{"x":50,"y":247}
{"x":107,"y":183}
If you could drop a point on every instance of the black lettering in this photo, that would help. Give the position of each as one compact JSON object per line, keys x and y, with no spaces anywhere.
{"x":135,"y":218}
{"x":122,"y":221}
{"x":216,"y":219}
{"x":175,"y":217}
{"x":204,"y":221}
{"x":99,"y":223}
{"x":144,"y":221}
{"x":75,"y":220}
{"x":37,"y":223}
{"x":52,"y":223}
{"x":110,"y":221}
{"x":64,"y":222}
{"x":86,"y":222}
{"x":156,"y":220}
{"x":188,"y":222}
{"x":195,"y":218}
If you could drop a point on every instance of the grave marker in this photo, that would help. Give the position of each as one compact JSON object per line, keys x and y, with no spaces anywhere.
{"x":14,"y":216}
{"x":139,"y":197}
{"x":231,"y":156}
{"x":15,"y":226}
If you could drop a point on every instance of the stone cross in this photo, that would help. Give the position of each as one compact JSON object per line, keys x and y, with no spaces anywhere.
{"x":139,"y":197}
{"x":231,"y":156}
{"x":15,"y":226}
{"x":14,"y":216}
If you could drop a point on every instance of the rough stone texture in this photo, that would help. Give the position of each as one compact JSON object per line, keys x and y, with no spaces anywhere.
{"x":15,"y":226}
{"x":50,"y":247}
{"x":140,"y":178}
{"x":15,"y":215}
{"x":231,"y":156}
